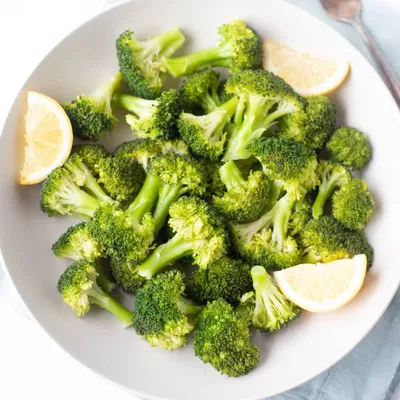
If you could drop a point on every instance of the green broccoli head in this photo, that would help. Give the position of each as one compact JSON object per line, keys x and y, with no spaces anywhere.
{"x":121,"y":177}
{"x":152,"y":119}
{"x":79,"y":289}
{"x":353,"y":204}
{"x":239,"y":49}
{"x":206,"y":134}
{"x":91,"y":154}
{"x":222,"y":339}
{"x":226,"y":278}
{"x":302,"y":213}
{"x":201,"y":90}
{"x":72,"y":190}
{"x":199,"y":232}
{"x":312,"y":126}
{"x":244,"y":199}
{"x":78,"y":244}
{"x":91,"y":116}
{"x":270,"y":309}
{"x":119,"y":235}
{"x":326,"y":240}
{"x":142,"y":62}
{"x":214,"y":182}
{"x":331,"y":177}
{"x":349,"y":147}
{"x":263,"y":99}
{"x":162,"y":315}
{"x":286,"y":160}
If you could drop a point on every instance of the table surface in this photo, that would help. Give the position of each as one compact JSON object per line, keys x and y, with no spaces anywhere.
{"x":31,"y":364}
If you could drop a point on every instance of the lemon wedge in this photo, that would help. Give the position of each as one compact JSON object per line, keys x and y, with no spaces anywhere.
{"x":323,"y":287}
{"x":309,"y":74}
{"x":48,"y":138}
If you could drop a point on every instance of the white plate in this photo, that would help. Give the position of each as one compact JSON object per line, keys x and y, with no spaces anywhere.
{"x":309,"y":345}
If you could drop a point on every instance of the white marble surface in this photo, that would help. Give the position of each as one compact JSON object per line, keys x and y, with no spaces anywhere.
{"x":31,"y":365}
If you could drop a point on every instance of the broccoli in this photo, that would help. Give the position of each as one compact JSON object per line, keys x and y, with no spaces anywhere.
{"x":214,"y":182}
{"x":239,"y":48}
{"x":349,"y":147}
{"x":162,"y":315}
{"x":72,"y":190}
{"x":326,"y":240}
{"x":244,"y":199}
{"x":288,"y":161}
{"x":263,"y":99}
{"x":91,"y":154}
{"x":226,"y":278}
{"x":353,"y":204}
{"x":332,"y":176}
{"x":270,"y":309}
{"x":301,"y":214}
{"x":143,"y":150}
{"x":152,"y":119}
{"x":222,"y":339}
{"x":78,"y":244}
{"x":91,"y":116}
{"x":312,"y":127}
{"x":79,"y":289}
{"x":142,"y":63}
{"x":123,"y":271}
{"x":121,"y":177}
{"x":206,"y":134}
{"x":201,"y":89}
{"x":199,"y":231}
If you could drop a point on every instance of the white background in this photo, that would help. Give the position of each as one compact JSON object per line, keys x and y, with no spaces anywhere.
{"x":31,"y":365}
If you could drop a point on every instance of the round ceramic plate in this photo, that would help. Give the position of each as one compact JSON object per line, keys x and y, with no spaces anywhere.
{"x":288,"y":358}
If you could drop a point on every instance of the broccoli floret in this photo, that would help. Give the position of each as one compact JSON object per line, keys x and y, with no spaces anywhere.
{"x":312,"y":127}
{"x":78,"y":244}
{"x":222,"y":339}
{"x":214,"y":182}
{"x":121,"y":177}
{"x":263,"y":99}
{"x":162,"y":315}
{"x":124,"y":274}
{"x":201,"y":90}
{"x":79,"y":289}
{"x":266,"y":240}
{"x":288,"y":161}
{"x":226,"y":278}
{"x":302,"y":213}
{"x":331,"y":176}
{"x":206,"y":134}
{"x":199,"y":232}
{"x":142,"y":62}
{"x":91,"y":116}
{"x":270,"y":309}
{"x":349,"y":147}
{"x":239,"y":48}
{"x":72,"y":190}
{"x":353,"y":204}
{"x":152,"y":119}
{"x":143,"y":150}
{"x":91,"y":154}
{"x":244,"y":199}
{"x":326,"y":240}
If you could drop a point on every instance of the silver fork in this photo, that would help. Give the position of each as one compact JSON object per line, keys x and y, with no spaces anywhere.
{"x":349,"y":11}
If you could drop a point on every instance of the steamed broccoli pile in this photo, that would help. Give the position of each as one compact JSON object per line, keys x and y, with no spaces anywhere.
{"x":225,"y":180}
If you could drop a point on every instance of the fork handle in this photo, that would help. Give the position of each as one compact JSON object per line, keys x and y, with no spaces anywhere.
{"x":391,"y":81}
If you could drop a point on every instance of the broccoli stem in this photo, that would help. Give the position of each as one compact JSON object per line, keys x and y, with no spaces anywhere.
{"x":281,"y":111}
{"x":106,"y":91}
{"x":168,"y":195}
{"x":103,"y":300}
{"x":94,"y":188}
{"x":145,"y":200}
{"x":231,"y":176}
{"x":102,"y":279}
{"x":166,"y":43}
{"x":219,"y":56}
{"x":187,"y":307}
{"x":165,"y":254}
{"x":254,"y":123}
{"x":209,"y":102}
{"x":310,"y":258}
{"x":328,"y":185}
{"x":142,"y":108}
{"x":84,"y":202}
